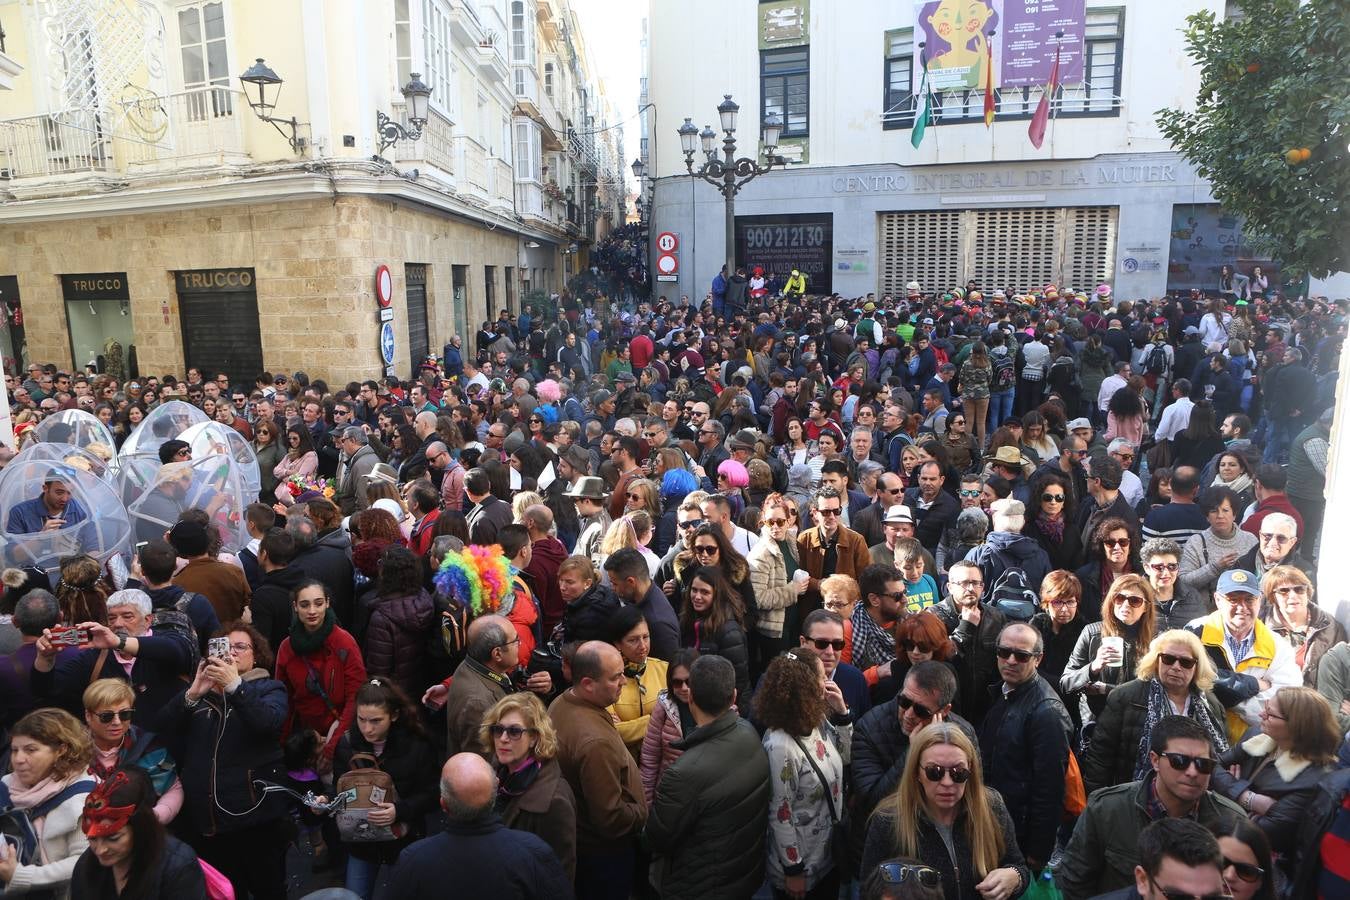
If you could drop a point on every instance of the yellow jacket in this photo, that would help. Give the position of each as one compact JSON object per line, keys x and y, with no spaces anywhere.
{"x":796,"y":284}
{"x":636,"y":702}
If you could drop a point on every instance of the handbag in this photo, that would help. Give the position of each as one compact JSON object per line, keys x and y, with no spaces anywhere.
{"x":838,"y":831}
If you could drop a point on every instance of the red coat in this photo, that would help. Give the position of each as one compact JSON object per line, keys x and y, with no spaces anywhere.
{"x":340,"y":670}
{"x":1273,"y":503}
{"x":641,"y":351}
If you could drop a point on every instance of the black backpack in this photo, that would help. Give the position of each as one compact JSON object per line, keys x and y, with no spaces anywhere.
{"x":1004,"y":373}
{"x":1156,"y":361}
{"x":1012,"y":596}
{"x":175,"y":618}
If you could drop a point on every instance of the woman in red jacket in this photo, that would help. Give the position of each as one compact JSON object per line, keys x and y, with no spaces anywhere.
{"x":322,"y":669}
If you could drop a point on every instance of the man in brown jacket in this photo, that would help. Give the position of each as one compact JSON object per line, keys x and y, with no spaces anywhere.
{"x":219,"y":582}
{"x":611,"y":809}
{"x":828,"y":549}
{"x":479,"y":681}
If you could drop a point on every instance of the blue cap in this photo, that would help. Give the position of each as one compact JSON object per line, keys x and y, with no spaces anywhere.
{"x":1239,"y":581}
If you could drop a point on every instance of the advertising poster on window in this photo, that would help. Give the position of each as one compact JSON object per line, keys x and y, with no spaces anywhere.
{"x":956,"y":41}
{"x":782,"y":243}
{"x":1206,"y":238}
{"x":1029,"y":42}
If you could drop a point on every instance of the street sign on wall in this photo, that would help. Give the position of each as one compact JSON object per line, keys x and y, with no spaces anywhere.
{"x":667,"y":256}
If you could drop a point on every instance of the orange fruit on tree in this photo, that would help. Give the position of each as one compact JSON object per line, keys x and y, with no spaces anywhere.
{"x":1304,"y":154}
{"x":1253,"y":68}
{"x":1291,"y":156}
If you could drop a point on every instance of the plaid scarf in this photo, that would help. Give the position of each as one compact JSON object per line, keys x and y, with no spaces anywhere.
{"x":872,"y":644}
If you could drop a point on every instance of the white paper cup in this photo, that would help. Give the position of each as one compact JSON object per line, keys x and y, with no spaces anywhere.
{"x":801,"y":576}
{"x":1118,"y":643}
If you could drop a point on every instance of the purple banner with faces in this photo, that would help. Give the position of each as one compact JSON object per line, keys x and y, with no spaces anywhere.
{"x":1029,"y":43}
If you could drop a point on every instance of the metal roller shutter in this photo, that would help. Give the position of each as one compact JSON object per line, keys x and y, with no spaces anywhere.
{"x":221,"y":334}
{"x":920,"y":246}
{"x":419,"y":336}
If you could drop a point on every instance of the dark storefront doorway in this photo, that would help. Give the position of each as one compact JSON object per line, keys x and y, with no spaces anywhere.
{"x":218,"y":309}
{"x":419,"y":334}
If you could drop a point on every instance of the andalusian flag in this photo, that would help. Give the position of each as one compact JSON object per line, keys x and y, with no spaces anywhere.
{"x":989,"y":85}
{"x":924,"y":113}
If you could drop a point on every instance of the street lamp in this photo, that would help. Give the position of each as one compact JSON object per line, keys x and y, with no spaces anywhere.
{"x":729,"y":174}
{"x":418,"y":97}
{"x":257,"y":80}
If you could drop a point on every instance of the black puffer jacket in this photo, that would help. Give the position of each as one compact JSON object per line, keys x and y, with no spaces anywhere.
{"x":708,"y":816}
{"x":1111,"y":757}
{"x":958,"y":882}
{"x":1290,"y":782}
{"x":411,"y":762}
{"x":396,"y":641}
{"x":225,"y":753}
{"x":876,"y":761}
{"x":729,"y":643}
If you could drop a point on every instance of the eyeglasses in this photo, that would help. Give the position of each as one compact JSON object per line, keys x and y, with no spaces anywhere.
{"x":1163,"y":567}
{"x":775,"y":523}
{"x":1265,"y":712}
{"x":1134,"y":600}
{"x":1006,"y":653}
{"x":971,"y":494}
{"x":910,"y":646}
{"x":829,"y":512}
{"x":1183,"y":761}
{"x":1299,"y":590}
{"x":1052,"y":498}
{"x":704,"y":550}
{"x":1167,"y":659}
{"x":934,"y":773}
{"x":899,"y":873}
{"x":703,"y":431}
{"x":823,"y":644}
{"x":692,"y":523}
{"x":515,"y":640}
{"x":969,"y":584}
{"x":920,"y":710}
{"x":1116,"y":542}
{"x":1246,"y":871}
{"x":635,"y":497}
{"x":1278,"y":539}
{"x":107,"y":716}
{"x":1061,"y":604}
{"x":241,"y":647}
{"x":510,"y":732}
{"x":1125,"y":456}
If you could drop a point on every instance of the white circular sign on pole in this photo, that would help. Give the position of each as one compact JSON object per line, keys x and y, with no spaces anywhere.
{"x":384,"y":286}
{"x":666,"y":264}
{"x":667,"y":242}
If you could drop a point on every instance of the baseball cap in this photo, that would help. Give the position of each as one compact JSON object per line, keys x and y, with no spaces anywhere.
{"x":1076,"y":424}
{"x":1239,"y":581}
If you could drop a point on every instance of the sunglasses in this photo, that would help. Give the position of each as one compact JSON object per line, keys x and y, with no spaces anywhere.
{"x":1052,"y":498}
{"x":705,"y":551}
{"x":1006,"y":653}
{"x":1167,"y":659}
{"x":1170,"y":894}
{"x":1116,"y":542}
{"x":934,"y":773}
{"x":1134,"y":600}
{"x":679,"y":682}
{"x":1246,"y":871}
{"x":1163,"y":567}
{"x":910,"y":646}
{"x":828,"y":512}
{"x":920,"y":710}
{"x":1183,"y":761}
{"x":775,"y":523}
{"x":512,"y":732}
{"x":1300,"y":590}
{"x":635,"y":497}
{"x":899,"y":873}
{"x":822,"y":644}
{"x":107,"y":716}
{"x":693,"y":523}
{"x":971,"y":494}
{"x":1278,"y":539}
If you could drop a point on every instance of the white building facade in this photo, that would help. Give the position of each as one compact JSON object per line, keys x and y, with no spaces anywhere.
{"x":1104,"y":199}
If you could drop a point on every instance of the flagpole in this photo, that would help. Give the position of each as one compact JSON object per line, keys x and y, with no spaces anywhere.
{"x":1054,"y":110}
{"x":989,"y":88}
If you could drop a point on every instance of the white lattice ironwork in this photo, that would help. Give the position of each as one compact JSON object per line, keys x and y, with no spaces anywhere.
{"x":107,"y":57}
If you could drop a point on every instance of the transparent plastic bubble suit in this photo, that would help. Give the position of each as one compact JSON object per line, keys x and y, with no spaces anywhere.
{"x":83,"y":430}
{"x":93,"y":519}
{"x":138,"y":460}
{"x":210,"y":438}
{"x":163,"y":423}
{"x":70,"y":455}
{"x":211,"y":483}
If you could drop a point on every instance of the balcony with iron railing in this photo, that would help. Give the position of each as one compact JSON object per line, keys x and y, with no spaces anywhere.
{"x":198,"y":128}
{"x":435,"y":148}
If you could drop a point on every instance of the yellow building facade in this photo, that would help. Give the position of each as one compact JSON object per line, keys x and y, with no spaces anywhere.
{"x":150,"y":211}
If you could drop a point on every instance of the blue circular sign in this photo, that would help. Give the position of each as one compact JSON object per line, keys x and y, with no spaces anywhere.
{"x":387,"y":342}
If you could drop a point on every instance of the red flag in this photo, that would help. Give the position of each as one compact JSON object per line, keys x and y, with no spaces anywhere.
{"x":1036,"y":130}
{"x":989,"y":86}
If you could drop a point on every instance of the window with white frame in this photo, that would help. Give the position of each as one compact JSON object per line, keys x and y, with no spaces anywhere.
{"x":403,"y":40}
{"x":528,"y":151}
{"x":548,"y":80}
{"x":201,"y":37}
{"x":437,"y":51}
{"x":522,"y":35}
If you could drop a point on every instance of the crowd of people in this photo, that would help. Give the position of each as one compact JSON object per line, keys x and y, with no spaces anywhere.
{"x":965,"y":595}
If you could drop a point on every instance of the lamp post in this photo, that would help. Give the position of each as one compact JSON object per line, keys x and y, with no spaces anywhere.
{"x":259,"y":77}
{"x":729,"y":174}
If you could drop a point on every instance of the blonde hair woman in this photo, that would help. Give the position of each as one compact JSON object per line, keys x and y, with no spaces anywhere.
{"x":532,"y":794}
{"x":942,"y":789}
{"x":1175,"y":677}
{"x":521,"y":502}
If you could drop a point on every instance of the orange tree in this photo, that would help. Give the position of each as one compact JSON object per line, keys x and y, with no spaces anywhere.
{"x":1271,"y":125}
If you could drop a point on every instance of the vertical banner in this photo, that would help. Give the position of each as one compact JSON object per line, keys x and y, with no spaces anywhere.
{"x":1030,"y":44}
{"x":957,"y":46}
